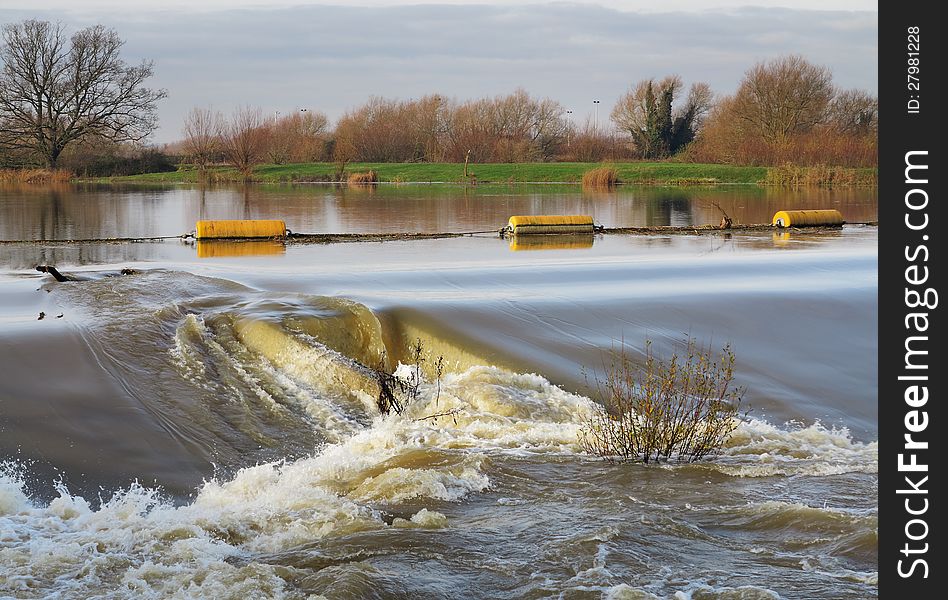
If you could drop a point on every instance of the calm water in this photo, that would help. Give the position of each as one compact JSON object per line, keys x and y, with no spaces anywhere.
{"x":97,"y":211}
{"x":205,"y":427}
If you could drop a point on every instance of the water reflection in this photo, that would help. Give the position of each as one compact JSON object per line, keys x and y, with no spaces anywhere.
{"x":87,"y":211}
{"x":230,"y":248}
{"x":551,"y":242}
{"x":27,"y":256}
{"x":787,"y":240}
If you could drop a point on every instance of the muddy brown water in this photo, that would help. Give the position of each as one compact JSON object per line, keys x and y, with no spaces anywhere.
{"x":205,"y":427}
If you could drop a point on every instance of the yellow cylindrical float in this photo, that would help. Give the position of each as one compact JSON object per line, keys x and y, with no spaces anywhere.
{"x":520,"y":225}
{"x":205,"y":230}
{"x":808,"y":218}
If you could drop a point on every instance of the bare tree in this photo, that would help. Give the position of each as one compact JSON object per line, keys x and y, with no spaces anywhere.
{"x":54,"y":91}
{"x":784,"y":97}
{"x":855,"y":111}
{"x":203,"y":133}
{"x":630,"y":114}
{"x":549,"y":126}
{"x":429,"y":123}
{"x":700,"y":101}
{"x":311,"y":134}
{"x":689,"y":117}
{"x":344,"y":151}
{"x":245,"y":140}
{"x":297,"y":137}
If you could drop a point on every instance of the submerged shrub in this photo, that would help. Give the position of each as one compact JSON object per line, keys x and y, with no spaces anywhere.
{"x":683,"y":409}
{"x":602,"y":177}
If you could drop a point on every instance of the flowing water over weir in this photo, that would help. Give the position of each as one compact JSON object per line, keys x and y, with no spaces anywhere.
{"x":208,"y":428}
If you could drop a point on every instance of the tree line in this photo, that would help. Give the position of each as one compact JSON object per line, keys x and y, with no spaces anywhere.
{"x":73,"y":101}
{"x":510,"y":128}
{"x":786,"y":110}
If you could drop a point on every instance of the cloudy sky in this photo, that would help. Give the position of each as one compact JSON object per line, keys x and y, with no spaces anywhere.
{"x":283,"y":56}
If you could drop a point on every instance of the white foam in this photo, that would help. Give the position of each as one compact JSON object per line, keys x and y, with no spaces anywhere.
{"x":423,"y":519}
{"x":145,"y":546}
{"x":12,"y":498}
{"x":761,"y":449}
{"x":140,"y":545}
{"x":626,"y":592}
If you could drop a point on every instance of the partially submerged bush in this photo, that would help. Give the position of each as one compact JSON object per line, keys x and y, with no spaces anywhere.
{"x":602,"y":177}
{"x":684,"y":409}
{"x":363,"y":178}
{"x":397,"y":392}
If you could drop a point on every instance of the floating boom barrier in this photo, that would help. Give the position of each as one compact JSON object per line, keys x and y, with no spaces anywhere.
{"x":579,"y":227}
{"x":808,"y":218}
{"x":526,"y":225}
{"x":242,"y":229}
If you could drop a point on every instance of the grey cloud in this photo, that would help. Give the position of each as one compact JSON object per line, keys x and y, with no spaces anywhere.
{"x":332,"y":57}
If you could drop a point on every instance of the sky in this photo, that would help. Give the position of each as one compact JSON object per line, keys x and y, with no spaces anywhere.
{"x":285,"y":56}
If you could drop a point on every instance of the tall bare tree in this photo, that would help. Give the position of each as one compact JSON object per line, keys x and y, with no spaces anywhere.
{"x":203,"y":133}
{"x":55,"y":91}
{"x":783,"y":97}
{"x":245,"y":140}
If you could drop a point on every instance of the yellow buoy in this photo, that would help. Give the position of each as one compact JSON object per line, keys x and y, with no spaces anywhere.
{"x":239,"y":229}
{"x":550,"y":224}
{"x":808,"y":218}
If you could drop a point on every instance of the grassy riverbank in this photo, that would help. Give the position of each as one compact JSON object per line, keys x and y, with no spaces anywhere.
{"x":662,"y":173}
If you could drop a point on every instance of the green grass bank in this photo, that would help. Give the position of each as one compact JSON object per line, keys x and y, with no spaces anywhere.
{"x":659,"y":173}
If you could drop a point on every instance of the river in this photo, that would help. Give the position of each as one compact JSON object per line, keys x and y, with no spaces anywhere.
{"x":206,"y":427}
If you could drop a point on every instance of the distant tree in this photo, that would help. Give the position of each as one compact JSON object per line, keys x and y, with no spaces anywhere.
{"x":663,"y":119}
{"x":245,"y":140}
{"x":203,"y":133}
{"x":471,"y":132}
{"x":691,"y":116}
{"x":657,"y":126}
{"x":429,"y":126}
{"x":549,"y":126}
{"x":589,"y":144}
{"x":649,"y":139}
{"x":343,"y":151}
{"x":56,"y":91}
{"x":297,"y":137}
{"x":783,"y":97}
{"x":854,"y":111}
